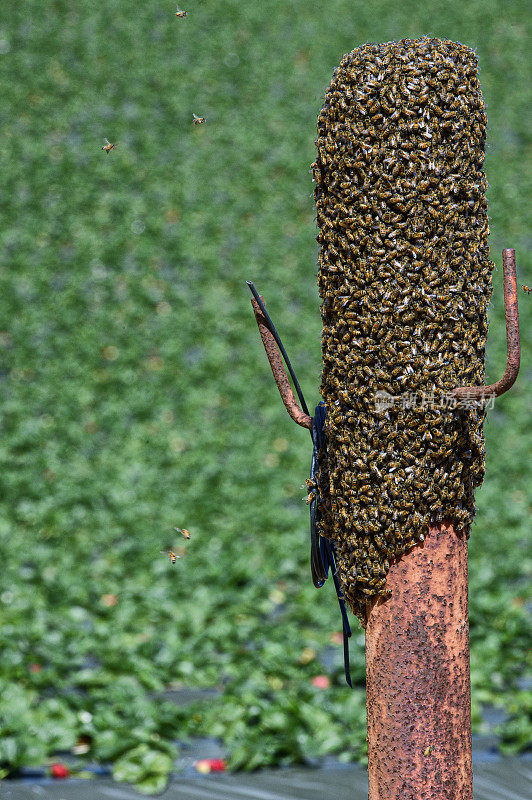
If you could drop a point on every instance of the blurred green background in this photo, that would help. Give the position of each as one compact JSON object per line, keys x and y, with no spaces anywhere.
{"x":136,"y":395}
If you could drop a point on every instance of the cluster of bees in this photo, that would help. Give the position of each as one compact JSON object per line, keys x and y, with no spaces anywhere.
{"x":195,"y":119}
{"x":405,"y":280}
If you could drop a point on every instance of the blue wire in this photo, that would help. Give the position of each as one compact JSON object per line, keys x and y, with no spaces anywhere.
{"x":322,"y":550}
{"x":323,"y":555}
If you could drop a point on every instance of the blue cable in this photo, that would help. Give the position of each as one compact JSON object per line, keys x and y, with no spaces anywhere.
{"x":322,"y":550}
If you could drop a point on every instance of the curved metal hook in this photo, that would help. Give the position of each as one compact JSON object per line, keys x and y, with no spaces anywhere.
{"x":512,"y":338}
{"x":279,"y":373}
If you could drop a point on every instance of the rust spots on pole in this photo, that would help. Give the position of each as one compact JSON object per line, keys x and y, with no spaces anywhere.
{"x":417,"y":674}
{"x":513,"y":346}
{"x":279,"y":372}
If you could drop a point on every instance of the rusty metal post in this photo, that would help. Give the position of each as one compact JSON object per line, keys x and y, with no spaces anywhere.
{"x":417,"y":676}
{"x":417,"y":641}
{"x":417,"y":646}
{"x":399,"y":304}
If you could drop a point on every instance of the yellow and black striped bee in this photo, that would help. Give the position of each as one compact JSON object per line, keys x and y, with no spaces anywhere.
{"x":170,"y":553}
{"x":180,"y":14}
{"x":108,"y":146}
{"x":197,"y":120}
{"x":526,"y":288}
{"x":184,"y":533}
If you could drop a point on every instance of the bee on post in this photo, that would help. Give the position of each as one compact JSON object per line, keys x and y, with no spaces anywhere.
{"x":170,"y":553}
{"x":526,"y":288}
{"x":180,"y":14}
{"x":197,"y":120}
{"x":108,"y":146}
{"x":184,"y":533}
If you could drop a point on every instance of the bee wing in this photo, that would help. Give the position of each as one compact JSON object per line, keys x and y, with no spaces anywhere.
{"x":107,"y":141}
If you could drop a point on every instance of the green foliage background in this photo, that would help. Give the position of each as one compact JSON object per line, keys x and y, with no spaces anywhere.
{"x":136,"y":395}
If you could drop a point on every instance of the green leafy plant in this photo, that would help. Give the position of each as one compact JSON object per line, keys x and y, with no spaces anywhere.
{"x":135,"y":396}
{"x":144,"y":766}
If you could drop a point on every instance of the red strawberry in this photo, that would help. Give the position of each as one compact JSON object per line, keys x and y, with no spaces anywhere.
{"x":206,"y":765}
{"x":59,"y":771}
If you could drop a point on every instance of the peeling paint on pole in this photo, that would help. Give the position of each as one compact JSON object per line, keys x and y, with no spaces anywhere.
{"x":417,"y":673}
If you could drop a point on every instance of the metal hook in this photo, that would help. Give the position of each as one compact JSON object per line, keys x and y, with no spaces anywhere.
{"x":274,"y":347}
{"x":512,"y":338}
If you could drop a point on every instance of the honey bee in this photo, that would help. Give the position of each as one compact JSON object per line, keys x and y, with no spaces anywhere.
{"x":197,"y":120}
{"x":108,"y":146}
{"x":526,"y":288}
{"x":170,"y":553}
{"x":184,"y":533}
{"x":179,"y":13}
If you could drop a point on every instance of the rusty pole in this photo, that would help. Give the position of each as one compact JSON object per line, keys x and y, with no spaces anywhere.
{"x":417,"y":676}
{"x":417,"y":641}
{"x":417,"y":646}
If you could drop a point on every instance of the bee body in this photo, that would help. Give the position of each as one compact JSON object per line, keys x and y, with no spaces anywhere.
{"x":197,"y":120}
{"x":180,"y":14}
{"x":171,"y":554}
{"x":108,"y":146}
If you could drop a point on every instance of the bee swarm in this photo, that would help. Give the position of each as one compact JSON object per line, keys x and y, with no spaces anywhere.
{"x":405,"y":280}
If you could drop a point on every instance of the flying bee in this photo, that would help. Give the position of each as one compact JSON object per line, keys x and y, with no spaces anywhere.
{"x":197,"y":120}
{"x":170,"y":553}
{"x":184,"y":533}
{"x":108,"y":146}
{"x":526,"y":288}
{"x":180,"y":14}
